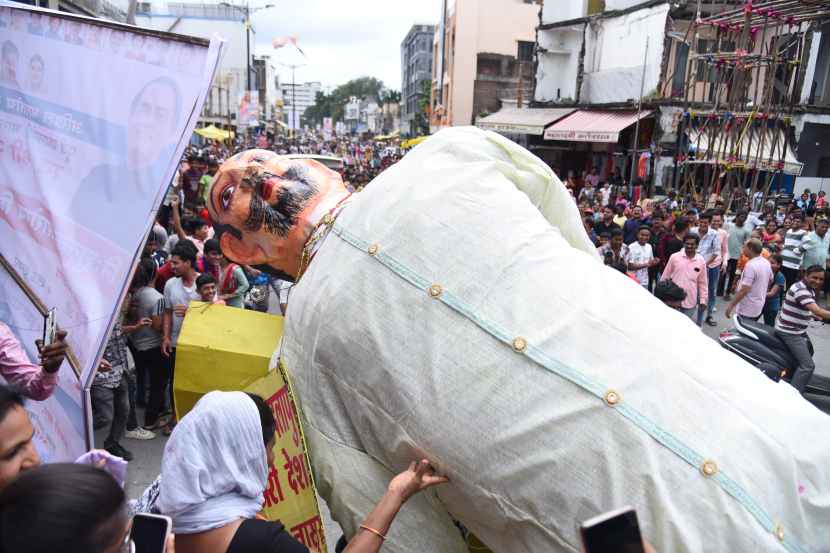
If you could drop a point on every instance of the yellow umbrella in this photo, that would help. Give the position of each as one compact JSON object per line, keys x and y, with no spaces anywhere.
{"x":413,"y":142}
{"x":213,"y":133}
{"x":389,"y":136}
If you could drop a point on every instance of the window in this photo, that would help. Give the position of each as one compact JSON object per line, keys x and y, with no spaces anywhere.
{"x":787,"y":47}
{"x":678,"y":83}
{"x":708,"y":72}
{"x":703,"y":69}
{"x":525,"y":50}
{"x":142,"y":7}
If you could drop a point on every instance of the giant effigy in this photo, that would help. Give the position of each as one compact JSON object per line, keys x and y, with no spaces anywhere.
{"x":455,"y":310}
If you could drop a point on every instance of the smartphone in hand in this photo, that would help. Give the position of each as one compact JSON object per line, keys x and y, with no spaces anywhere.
{"x":149,"y":533}
{"x":50,"y":328}
{"x":613,"y":532}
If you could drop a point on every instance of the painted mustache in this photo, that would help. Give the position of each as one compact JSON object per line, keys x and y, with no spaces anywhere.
{"x":295,"y":190}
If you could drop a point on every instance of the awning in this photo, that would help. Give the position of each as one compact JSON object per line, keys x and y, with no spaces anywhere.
{"x":212,"y":132}
{"x":593,"y":126}
{"x":774,"y":155}
{"x":522,"y":120}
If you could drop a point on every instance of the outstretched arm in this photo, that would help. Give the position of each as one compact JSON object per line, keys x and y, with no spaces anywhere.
{"x":419,"y":476}
{"x":177,"y":219}
{"x":351,"y":481}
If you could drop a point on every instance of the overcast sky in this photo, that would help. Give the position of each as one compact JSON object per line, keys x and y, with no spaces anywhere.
{"x":342,"y":39}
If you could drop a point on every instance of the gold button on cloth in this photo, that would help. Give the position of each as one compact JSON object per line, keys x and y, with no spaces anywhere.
{"x":519,"y":344}
{"x":709,"y":468}
{"x":373,"y":249}
{"x":435,"y":290}
{"x":779,"y":532}
{"x":612,"y":397}
{"x":327,"y":219}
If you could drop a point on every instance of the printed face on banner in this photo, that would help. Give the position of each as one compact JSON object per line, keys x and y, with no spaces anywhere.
{"x":91,"y":126}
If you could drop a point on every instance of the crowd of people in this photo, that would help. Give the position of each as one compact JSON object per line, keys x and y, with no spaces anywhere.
{"x":362,"y":160}
{"x":770,"y":263}
{"x":767,"y":263}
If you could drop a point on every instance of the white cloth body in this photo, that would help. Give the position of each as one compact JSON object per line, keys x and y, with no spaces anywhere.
{"x":214,"y":467}
{"x":386,"y":373}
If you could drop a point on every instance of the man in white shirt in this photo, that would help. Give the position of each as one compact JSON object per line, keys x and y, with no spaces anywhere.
{"x":640,"y":256}
{"x":178,"y":293}
{"x":605,"y":194}
{"x":710,"y":249}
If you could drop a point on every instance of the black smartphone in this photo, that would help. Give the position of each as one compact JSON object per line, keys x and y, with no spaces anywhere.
{"x":613,"y":532}
{"x":149,"y":533}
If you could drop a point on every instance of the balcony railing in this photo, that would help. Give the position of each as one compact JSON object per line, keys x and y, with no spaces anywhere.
{"x":216,"y":11}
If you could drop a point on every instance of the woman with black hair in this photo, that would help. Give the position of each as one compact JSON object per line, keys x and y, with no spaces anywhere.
{"x":670,"y":293}
{"x":64,"y":507}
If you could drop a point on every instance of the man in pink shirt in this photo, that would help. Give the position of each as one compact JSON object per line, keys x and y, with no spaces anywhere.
{"x":687,"y":269}
{"x":755,"y":280}
{"x":34,"y":381}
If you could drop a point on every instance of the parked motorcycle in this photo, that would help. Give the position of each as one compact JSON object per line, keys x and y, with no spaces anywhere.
{"x":760,"y":346}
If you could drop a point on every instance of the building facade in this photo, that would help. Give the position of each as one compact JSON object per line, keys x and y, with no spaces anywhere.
{"x":204,"y":19}
{"x":482,"y":53}
{"x":115,"y":10}
{"x":416,"y":74}
{"x":297,"y":98}
{"x":657,"y":89}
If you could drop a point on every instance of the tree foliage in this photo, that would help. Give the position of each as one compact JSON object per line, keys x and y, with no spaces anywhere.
{"x":422,"y":115}
{"x":333,"y":104}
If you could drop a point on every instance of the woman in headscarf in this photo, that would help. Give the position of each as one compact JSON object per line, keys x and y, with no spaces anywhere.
{"x":215,"y":470}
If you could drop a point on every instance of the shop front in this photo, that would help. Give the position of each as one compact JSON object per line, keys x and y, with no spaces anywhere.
{"x":525,"y":126}
{"x":602,"y":140}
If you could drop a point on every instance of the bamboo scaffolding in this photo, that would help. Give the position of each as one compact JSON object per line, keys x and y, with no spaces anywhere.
{"x":743,"y":129}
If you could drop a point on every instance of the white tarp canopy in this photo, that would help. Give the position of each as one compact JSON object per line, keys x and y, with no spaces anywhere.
{"x":756,"y":150}
{"x":515,"y":120}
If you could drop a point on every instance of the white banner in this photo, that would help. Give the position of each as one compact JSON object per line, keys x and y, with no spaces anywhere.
{"x":352,"y":111}
{"x":94,"y":117}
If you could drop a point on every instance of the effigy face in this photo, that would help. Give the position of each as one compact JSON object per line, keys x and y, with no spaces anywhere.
{"x":262,"y":205}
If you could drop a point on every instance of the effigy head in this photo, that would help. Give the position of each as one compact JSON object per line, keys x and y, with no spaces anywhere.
{"x":262,"y":205}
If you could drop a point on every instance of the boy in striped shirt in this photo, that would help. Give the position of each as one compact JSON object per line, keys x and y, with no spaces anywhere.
{"x":791,"y":325}
{"x":791,"y":252}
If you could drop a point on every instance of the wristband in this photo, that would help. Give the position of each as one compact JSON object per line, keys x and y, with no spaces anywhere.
{"x":373,"y":531}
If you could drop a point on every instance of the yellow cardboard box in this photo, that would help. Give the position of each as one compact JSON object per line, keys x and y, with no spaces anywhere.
{"x":225,"y":348}
{"x":222,"y":348}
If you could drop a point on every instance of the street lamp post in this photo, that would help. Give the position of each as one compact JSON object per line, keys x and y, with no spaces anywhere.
{"x":246,"y":11}
{"x":248,"y":45}
{"x":293,"y":68}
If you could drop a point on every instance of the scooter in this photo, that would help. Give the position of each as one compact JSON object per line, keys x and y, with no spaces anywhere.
{"x":760,"y":346}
